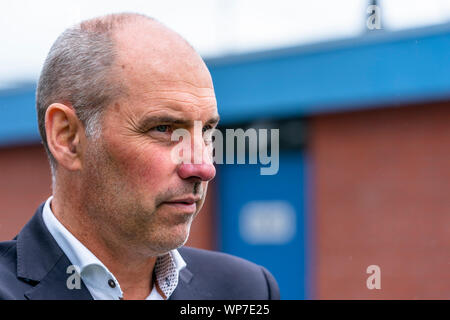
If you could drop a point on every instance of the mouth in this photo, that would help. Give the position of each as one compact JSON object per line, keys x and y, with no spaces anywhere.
{"x":185,"y":205}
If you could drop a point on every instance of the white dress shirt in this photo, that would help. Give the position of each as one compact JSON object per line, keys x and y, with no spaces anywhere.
{"x":100,"y":282}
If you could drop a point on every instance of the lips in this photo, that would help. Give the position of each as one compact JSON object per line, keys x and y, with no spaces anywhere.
{"x":184,"y":204}
{"x":184,"y":200}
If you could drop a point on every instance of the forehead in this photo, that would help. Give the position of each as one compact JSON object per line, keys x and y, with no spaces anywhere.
{"x":177,"y":98}
{"x":147,"y":50}
{"x":161,"y":72}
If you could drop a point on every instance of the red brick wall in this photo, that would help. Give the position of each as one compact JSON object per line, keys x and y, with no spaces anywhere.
{"x":25,"y":182}
{"x":382,"y":197}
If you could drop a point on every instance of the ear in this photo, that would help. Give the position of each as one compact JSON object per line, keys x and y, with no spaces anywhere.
{"x":64,"y":133}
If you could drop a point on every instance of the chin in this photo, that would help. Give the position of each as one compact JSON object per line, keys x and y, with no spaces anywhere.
{"x":182,"y":237}
{"x":178,"y":237}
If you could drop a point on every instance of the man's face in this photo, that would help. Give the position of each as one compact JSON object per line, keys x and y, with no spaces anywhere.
{"x":133,"y":188}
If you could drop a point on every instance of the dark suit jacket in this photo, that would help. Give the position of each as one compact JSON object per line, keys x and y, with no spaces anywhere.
{"x":33,"y":266}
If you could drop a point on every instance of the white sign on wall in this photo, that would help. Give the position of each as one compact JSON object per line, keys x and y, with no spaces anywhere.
{"x":267,"y":222}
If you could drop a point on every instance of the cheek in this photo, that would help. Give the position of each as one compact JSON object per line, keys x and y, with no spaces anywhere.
{"x":155,"y":166}
{"x":146,"y":166}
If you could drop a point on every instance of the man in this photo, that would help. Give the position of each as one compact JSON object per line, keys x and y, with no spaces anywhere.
{"x":111,"y":93}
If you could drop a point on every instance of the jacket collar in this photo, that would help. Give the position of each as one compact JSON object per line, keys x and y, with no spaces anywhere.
{"x":190,"y":287}
{"x":35,"y":244}
{"x":41,"y":260}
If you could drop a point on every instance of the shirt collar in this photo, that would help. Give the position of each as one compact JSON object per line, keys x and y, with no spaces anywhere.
{"x":77,"y":253}
{"x":95,"y":274}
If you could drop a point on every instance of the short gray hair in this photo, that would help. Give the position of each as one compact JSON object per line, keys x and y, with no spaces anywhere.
{"x":78,"y":70}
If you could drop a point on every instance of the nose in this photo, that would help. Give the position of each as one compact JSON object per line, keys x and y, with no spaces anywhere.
{"x":203,"y":171}
{"x":200,"y":165}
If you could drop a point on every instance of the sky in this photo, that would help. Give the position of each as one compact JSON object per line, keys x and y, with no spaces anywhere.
{"x":214,"y":27}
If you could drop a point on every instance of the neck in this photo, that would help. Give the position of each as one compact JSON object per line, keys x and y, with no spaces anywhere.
{"x":132,"y":270}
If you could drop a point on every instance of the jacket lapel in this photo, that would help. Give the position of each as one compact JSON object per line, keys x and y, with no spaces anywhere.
{"x":184,"y":291}
{"x":189,"y":288}
{"x":40,"y":260}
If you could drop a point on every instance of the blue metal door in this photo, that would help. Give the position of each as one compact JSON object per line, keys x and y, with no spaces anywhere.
{"x":262,"y":219}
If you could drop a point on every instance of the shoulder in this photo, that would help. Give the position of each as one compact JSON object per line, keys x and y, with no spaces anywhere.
{"x":247,"y":279}
{"x":6,"y":246}
{"x":8,"y":256}
{"x":8,"y":270}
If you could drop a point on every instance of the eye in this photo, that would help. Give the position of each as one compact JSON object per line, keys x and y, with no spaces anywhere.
{"x":206,"y":128}
{"x":163,"y":128}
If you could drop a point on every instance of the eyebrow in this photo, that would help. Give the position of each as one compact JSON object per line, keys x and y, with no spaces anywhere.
{"x":148,"y":121}
{"x":213,"y":121}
